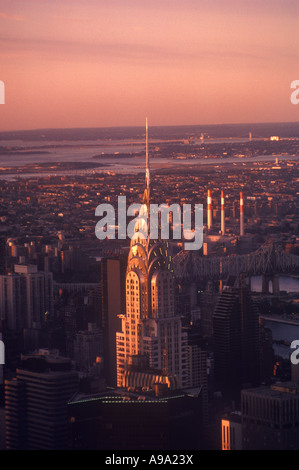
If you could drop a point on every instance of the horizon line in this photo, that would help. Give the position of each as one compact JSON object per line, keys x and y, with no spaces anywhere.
{"x":152,"y":126}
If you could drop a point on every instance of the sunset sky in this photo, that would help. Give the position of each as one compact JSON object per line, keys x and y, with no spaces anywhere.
{"x":98,"y":63}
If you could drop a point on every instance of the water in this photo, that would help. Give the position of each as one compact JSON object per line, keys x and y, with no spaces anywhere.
{"x":81,"y":145}
{"x":285,"y":332}
{"x":281,"y":331}
{"x":72,"y":151}
{"x":286,"y":283}
{"x":84,"y":151}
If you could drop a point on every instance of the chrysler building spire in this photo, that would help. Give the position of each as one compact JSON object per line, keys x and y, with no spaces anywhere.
{"x":151,"y":346}
{"x":146,"y":196}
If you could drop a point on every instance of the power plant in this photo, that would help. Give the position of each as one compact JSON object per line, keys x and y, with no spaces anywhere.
{"x":222,"y":212}
{"x":224,"y":230}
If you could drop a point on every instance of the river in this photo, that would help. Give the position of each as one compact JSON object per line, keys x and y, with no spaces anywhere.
{"x":85,"y":151}
{"x":280,"y":330}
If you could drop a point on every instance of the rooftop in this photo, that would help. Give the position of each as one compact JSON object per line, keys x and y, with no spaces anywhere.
{"x":275,"y":390}
{"x":133,"y":396}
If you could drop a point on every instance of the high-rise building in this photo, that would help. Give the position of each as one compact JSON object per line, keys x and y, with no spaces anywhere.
{"x":267,"y":356}
{"x":231,"y":431}
{"x":88,"y":347}
{"x":77,"y":313}
{"x":36,"y":403}
{"x":270,"y":417}
{"x":2,"y":255}
{"x":2,"y":362}
{"x":208,"y":301}
{"x":11,"y":302}
{"x":198,"y":367}
{"x":37,"y":294}
{"x":145,"y":420}
{"x":236,"y":342}
{"x":113,"y":274}
{"x":26,"y":298}
{"x":150,"y":326}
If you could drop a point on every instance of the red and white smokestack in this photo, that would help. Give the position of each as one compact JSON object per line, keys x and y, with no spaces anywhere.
{"x":241,"y":214}
{"x":209,"y":210}
{"x":222,"y":214}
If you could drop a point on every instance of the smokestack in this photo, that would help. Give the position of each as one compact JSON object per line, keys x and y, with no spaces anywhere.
{"x":241,"y":214}
{"x":222,"y":214}
{"x":209,"y":210}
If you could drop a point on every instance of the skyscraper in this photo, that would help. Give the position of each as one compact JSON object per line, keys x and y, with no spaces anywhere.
{"x":37,"y":291}
{"x":236,"y":341}
{"x":88,"y":347}
{"x":2,"y":255}
{"x":25,"y":297}
{"x":113,"y":273}
{"x":150,"y":327}
{"x":270,"y":417}
{"x":36,"y":403}
{"x":11,"y":305}
{"x":122,"y":419}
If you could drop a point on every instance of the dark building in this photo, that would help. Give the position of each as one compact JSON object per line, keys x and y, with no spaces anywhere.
{"x":113,"y":272}
{"x":127,"y":420}
{"x":267,"y":357}
{"x":197,"y":367}
{"x":208,"y":301}
{"x":2,"y":255}
{"x":95,"y":300}
{"x":270,"y":417}
{"x":236,"y":342}
{"x":36,"y":403}
{"x":77,"y":313}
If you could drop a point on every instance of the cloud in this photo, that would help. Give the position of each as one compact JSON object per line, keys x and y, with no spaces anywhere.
{"x":167,"y":54}
{"x":70,"y":19}
{"x":121,"y":51}
{"x":55,"y":48}
{"x":5,"y":16}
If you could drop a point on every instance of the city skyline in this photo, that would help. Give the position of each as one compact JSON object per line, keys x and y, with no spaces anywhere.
{"x":106,"y":64}
{"x":154,"y":344}
{"x":174,"y":331}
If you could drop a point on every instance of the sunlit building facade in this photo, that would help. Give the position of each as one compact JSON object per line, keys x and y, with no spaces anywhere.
{"x":231,"y":432}
{"x":150,"y":327}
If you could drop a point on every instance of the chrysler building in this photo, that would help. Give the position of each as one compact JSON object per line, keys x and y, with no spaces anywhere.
{"x":151,"y":346}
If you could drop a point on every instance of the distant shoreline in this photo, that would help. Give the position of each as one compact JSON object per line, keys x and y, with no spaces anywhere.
{"x":284,"y":129}
{"x":49,"y":166}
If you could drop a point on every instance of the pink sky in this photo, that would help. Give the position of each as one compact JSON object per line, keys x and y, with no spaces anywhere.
{"x":98,"y":63}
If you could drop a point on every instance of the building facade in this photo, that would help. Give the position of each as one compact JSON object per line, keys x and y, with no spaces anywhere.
{"x":36,"y":403}
{"x":121,"y":419}
{"x":88,"y":347}
{"x":270,"y":417}
{"x":150,"y":326}
{"x":236,"y":342}
{"x":113,"y":274}
{"x":231,"y":432}
{"x":11,"y":305}
{"x":26,"y":296}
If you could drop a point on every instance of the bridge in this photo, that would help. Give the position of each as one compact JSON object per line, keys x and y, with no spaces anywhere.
{"x":269,"y":261}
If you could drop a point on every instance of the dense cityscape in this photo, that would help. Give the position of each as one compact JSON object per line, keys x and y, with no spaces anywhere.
{"x":141,"y":344}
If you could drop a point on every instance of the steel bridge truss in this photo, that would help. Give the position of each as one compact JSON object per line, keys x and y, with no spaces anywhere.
{"x":269,"y":259}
